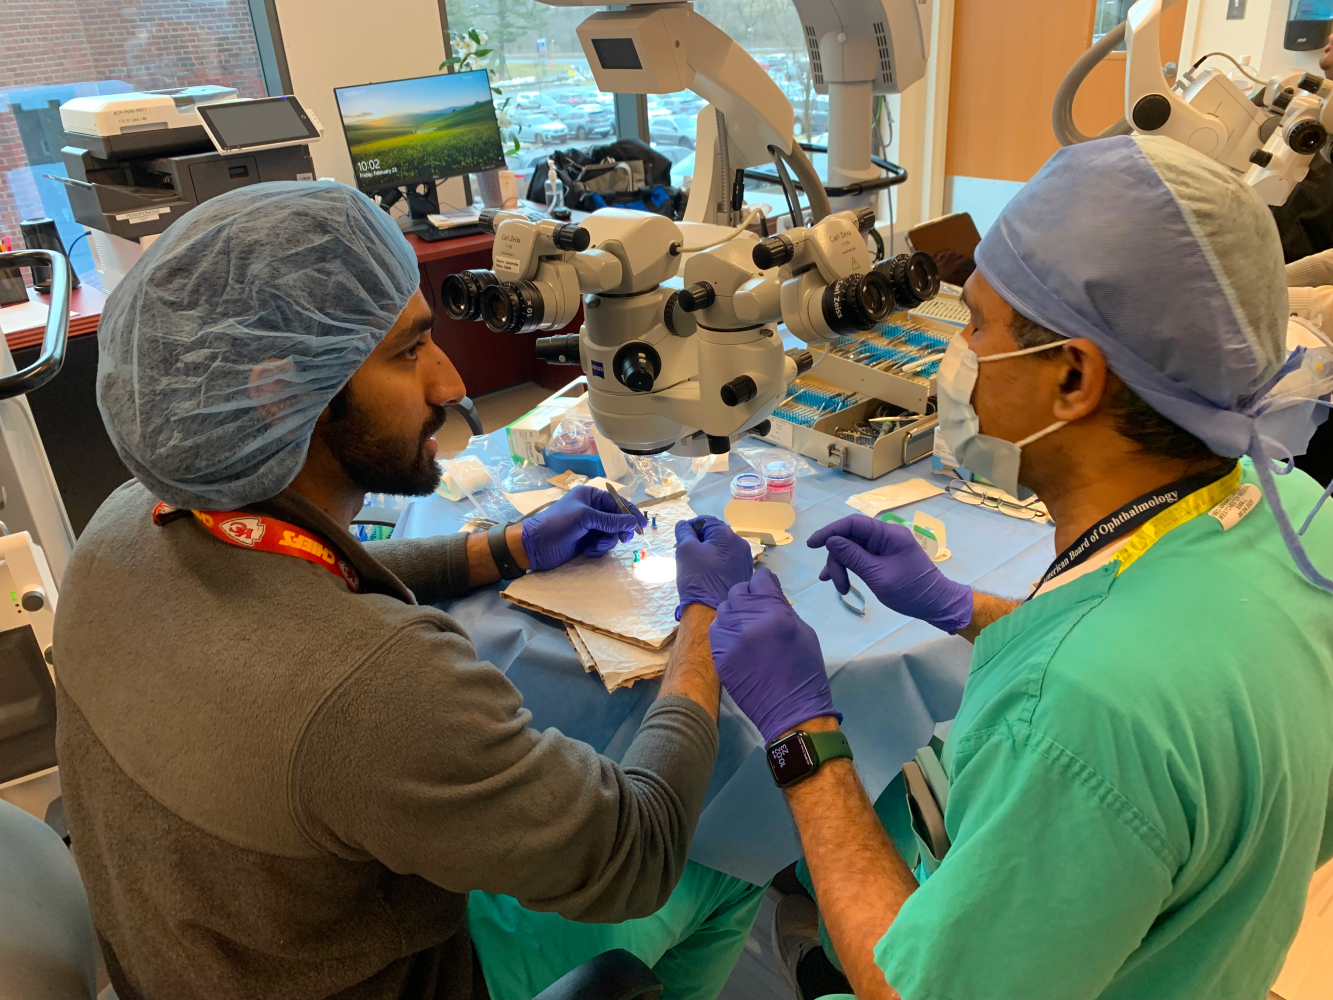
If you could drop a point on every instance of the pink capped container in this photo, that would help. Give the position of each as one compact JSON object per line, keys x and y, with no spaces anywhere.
{"x":780,"y":481}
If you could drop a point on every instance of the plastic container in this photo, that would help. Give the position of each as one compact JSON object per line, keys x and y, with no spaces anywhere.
{"x":748,"y":486}
{"x":573,"y":436}
{"x":779,"y":482}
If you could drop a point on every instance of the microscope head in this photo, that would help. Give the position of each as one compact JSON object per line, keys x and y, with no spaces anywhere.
{"x":641,"y":241}
{"x":712,"y":279}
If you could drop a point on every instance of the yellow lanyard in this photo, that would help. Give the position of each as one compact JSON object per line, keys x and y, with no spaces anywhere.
{"x":1198,"y":502}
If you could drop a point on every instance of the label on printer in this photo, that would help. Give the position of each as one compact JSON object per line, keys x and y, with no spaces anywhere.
{"x":143,"y":215}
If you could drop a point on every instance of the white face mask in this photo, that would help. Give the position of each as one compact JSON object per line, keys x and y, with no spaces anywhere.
{"x":993,"y":460}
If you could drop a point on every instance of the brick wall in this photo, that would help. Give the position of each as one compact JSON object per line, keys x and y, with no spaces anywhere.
{"x":151,"y":44}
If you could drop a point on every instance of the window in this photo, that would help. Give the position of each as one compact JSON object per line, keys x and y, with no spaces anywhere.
{"x":771,"y":31}
{"x":1108,"y":14}
{"x":547,"y":98}
{"x":55,"y":52}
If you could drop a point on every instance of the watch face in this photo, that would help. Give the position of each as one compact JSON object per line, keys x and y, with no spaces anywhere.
{"x":790,"y":759}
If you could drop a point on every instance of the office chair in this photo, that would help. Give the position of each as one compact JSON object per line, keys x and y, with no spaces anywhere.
{"x":46,"y":930}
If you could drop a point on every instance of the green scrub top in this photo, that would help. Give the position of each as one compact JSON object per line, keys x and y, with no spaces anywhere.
{"x":1140,"y":778}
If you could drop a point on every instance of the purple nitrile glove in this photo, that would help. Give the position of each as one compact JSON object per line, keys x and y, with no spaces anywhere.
{"x":585,"y":521}
{"x":895,"y":568}
{"x":710,"y":560}
{"x":768,"y":658}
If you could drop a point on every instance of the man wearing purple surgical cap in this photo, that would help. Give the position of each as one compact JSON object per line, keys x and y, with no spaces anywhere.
{"x":1136,"y":788}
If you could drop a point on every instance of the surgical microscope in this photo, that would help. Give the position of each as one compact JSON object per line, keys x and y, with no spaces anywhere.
{"x":689,"y":369}
{"x":1268,"y":131}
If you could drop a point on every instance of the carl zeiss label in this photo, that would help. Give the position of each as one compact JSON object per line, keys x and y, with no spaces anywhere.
{"x":598,"y":370}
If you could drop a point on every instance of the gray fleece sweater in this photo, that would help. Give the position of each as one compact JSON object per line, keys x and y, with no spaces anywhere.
{"x":280,"y":789}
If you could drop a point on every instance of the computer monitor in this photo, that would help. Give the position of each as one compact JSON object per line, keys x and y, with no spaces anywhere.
{"x":407,"y":132}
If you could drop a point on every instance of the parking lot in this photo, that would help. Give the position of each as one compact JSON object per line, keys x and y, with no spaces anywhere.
{"x":545,"y":116}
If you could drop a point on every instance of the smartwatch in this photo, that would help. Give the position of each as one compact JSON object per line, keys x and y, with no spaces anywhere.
{"x":504,"y":559}
{"x":800,"y":754}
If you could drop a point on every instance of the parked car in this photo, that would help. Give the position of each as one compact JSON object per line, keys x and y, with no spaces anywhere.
{"x":683,"y":104}
{"x":588,"y":121}
{"x":533,"y":101}
{"x":576,"y":97}
{"x":818,"y":114}
{"x":537,"y":129}
{"x":665,"y":130}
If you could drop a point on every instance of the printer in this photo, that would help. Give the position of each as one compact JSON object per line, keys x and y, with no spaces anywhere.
{"x":138,"y":162}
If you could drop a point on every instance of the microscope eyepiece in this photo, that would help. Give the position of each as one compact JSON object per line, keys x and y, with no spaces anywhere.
{"x":461,"y":293}
{"x":1306,"y":136}
{"x":512,"y":307}
{"x":914,"y":277}
{"x":856,"y":303}
{"x":571,"y":237}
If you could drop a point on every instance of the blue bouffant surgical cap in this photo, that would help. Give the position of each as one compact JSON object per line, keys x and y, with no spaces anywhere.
{"x":223,"y":344}
{"x":1173,"y":267}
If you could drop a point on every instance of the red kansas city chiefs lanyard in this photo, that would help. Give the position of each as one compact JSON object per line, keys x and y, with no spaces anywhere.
{"x":267,"y":534}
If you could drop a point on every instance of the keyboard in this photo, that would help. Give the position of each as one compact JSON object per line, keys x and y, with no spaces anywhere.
{"x":430,"y":234}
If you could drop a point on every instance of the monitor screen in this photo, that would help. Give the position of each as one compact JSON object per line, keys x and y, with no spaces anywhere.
{"x":241,"y":124}
{"x":616,"y":53}
{"x":406,"y":131}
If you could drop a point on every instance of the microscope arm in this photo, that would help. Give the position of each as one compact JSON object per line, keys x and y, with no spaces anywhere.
{"x":1147,"y":95}
{"x":727,"y":77}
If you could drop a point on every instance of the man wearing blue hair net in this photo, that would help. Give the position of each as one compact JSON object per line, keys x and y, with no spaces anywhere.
{"x":284,"y":771}
{"x":1137,"y":786}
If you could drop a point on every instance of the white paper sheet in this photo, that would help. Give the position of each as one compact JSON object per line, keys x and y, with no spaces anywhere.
{"x":604,"y":594}
{"x":887,"y":497}
{"x":23,"y":315}
{"x":530,"y":500}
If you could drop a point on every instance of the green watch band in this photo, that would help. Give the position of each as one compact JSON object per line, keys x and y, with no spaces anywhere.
{"x":828,"y":746}
{"x":798,"y":755}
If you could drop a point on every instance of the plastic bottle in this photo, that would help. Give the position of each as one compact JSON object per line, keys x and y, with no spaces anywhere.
{"x":1238,"y":77}
{"x":748,"y":486}
{"x":780,"y":481}
{"x":555,"y":193}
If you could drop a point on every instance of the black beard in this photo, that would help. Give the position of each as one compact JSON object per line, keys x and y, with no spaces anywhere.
{"x":378,"y":462}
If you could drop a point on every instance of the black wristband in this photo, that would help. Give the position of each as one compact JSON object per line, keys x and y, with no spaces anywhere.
{"x":504,"y":559}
